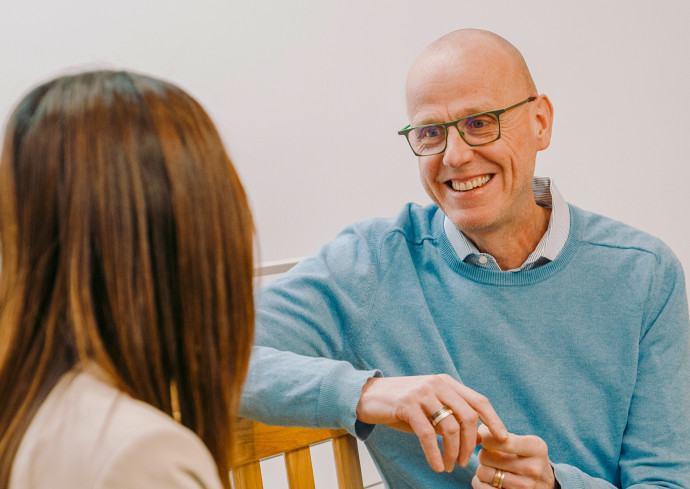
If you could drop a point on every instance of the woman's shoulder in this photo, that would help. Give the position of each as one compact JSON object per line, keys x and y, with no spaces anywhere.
{"x":87,"y":433}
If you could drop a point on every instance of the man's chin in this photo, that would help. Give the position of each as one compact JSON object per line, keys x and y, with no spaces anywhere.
{"x":471,"y":222}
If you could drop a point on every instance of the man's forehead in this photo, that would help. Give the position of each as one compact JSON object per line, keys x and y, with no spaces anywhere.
{"x":427,"y":111}
{"x":457,"y":92}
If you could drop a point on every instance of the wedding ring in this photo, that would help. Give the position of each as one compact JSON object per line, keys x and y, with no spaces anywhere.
{"x":440,"y":414}
{"x":498,"y":479}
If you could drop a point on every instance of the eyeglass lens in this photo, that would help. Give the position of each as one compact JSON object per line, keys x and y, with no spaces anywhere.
{"x":475,"y":130}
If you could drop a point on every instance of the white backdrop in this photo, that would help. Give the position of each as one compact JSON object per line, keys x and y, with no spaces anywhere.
{"x":308,"y":95}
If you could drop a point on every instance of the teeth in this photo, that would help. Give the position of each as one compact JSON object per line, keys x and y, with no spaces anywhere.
{"x":470,"y":184}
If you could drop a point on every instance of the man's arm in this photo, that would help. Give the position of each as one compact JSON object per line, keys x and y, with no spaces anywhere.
{"x":287,"y":389}
{"x":298,"y":377}
{"x":298,"y":374}
{"x":656,"y":442}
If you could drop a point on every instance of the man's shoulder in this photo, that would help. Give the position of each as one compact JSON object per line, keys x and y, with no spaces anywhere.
{"x":414,"y":223}
{"x":376,"y":241}
{"x":599,"y":230}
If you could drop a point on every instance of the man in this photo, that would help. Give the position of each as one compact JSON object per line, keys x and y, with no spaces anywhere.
{"x":564,"y":332}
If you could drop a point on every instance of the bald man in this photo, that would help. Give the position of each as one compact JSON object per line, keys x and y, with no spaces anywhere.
{"x":497,"y":338}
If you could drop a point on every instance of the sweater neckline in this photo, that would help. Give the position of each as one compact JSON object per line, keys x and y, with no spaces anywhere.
{"x":523,"y":277}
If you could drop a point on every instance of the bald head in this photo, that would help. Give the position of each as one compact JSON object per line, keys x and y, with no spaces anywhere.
{"x":480,"y":58}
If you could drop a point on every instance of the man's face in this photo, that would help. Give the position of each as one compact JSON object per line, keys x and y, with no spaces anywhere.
{"x":482,"y":189}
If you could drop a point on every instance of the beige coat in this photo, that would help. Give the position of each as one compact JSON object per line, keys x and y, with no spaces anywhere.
{"x":88,"y":434}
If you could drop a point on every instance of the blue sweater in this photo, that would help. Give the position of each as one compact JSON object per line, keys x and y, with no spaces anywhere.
{"x":590,"y":352}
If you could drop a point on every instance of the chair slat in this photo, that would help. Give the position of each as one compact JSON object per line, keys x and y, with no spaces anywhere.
{"x":248,"y":476}
{"x":347,"y":464}
{"x":299,"y":471}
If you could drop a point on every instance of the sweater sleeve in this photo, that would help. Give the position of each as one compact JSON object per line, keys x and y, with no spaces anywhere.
{"x":655,"y":450}
{"x":302,"y":370}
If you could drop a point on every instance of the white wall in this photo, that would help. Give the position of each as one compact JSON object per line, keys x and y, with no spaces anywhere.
{"x":309,"y":95}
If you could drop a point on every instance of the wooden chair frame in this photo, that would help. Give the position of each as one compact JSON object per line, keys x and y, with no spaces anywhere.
{"x":257,"y":441}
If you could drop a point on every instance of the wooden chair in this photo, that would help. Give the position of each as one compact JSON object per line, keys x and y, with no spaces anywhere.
{"x":256,"y":441}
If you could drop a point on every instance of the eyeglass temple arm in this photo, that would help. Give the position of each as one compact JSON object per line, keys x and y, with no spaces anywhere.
{"x":527,"y":100}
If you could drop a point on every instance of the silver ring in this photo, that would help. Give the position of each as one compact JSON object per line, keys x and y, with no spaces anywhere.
{"x":440,"y":414}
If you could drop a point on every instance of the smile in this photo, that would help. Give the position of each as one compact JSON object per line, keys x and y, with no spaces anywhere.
{"x":469,"y":184}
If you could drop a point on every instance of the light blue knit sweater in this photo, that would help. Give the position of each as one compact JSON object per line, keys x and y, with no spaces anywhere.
{"x":590,"y":352}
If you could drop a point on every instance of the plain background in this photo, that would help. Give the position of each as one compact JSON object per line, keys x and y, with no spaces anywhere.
{"x":308,"y":95}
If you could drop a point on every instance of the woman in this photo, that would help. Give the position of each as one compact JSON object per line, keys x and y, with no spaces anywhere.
{"x":125,"y":291}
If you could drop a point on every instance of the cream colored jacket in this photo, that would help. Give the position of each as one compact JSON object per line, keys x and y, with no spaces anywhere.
{"x":88,"y":434}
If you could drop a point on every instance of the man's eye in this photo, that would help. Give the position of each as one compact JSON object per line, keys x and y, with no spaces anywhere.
{"x":431,"y":132}
{"x":480,"y":123}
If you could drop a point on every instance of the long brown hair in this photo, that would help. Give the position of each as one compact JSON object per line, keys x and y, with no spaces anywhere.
{"x":126,"y":241}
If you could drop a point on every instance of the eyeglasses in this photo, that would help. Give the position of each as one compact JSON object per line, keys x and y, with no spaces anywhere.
{"x":475,"y":130}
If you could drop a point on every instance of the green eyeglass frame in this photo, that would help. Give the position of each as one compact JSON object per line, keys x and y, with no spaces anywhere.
{"x":445,"y":125}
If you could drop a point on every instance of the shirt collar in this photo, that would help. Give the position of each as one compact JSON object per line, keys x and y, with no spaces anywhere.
{"x":547,"y":195}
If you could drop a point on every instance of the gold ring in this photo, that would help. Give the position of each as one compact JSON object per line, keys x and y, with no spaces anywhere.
{"x":498,"y":479}
{"x":440,"y":414}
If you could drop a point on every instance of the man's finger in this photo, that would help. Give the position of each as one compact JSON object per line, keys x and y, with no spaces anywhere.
{"x":449,"y":429}
{"x":420,"y":424}
{"x":466,"y":431}
{"x":523,"y":446}
{"x":485,"y":411}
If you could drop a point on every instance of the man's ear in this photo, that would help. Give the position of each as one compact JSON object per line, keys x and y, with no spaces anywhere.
{"x":544,"y":121}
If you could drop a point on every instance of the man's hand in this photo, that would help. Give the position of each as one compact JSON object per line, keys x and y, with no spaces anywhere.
{"x":524,"y":459}
{"x":405,"y":403}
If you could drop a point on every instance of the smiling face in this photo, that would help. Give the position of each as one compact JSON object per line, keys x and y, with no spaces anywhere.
{"x":482,"y":189}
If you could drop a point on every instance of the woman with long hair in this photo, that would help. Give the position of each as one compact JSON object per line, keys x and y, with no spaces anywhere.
{"x":126,"y":311}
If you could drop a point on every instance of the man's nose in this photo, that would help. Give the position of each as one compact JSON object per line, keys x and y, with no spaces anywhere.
{"x":458,"y":152}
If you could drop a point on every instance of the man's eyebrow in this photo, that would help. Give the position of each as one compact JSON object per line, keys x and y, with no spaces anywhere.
{"x":475,"y":110}
{"x":469,"y":111}
{"x":426,"y":122}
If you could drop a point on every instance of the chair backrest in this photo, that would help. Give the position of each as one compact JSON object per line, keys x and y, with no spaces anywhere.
{"x":257,"y":441}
